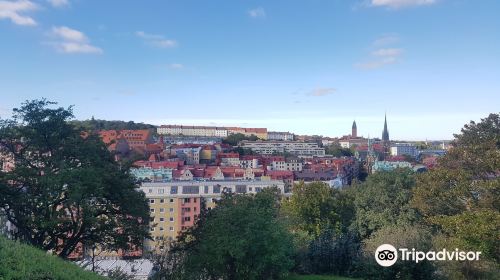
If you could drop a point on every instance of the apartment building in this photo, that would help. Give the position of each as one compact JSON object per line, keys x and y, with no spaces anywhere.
{"x":400,"y":149}
{"x":280,"y":136}
{"x":175,"y":206}
{"x":301,"y":149}
{"x":204,"y":131}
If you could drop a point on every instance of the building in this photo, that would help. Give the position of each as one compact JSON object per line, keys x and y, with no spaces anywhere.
{"x":261,"y":133}
{"x":183,"y":130}
{"x":400,"y":149}
{"x":354,"y":130}
{"x":389,"y":165}
{"x":280,"y":136}
{"x":385,"y":138}
{"x":175,"y":206}
{"x":301,"y":149}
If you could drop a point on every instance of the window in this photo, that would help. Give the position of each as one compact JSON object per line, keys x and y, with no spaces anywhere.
{"x":162,"y":200}
{"x":187,"y":219}
{"x":186,"y":209}
{"x":171,"y":210}
{"x":194,"y":209}
{"x":171,"y":219}
{"x":250,"y":189}
{"x":152,"y":229}
{"x":187,"y":200}
{"x":151,"y":201}
{"x":171,"y":200}
{"x":194,"y":199}
{"x":217,"y":189}
{"x":241,"y":189}
{"x":206,"y":189}
{"x":162,"y":210}
{"x":161,"y":228}
{"x":258,"y":189}
{"x":190,"y":189}
{"x":171,"y":228}
{"x":173,"y":190}
{"x":150,"y":191}
{"x":152,"y":210}
{"x":162,"y":219}
{"x":161,"y":191}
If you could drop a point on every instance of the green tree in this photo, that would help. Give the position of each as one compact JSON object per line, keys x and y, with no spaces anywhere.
{"x":316,"y":207}
{"x":241,"y":238}
{"x":383,"y":199}
{"x":337,"y":151}
{"x":236,"y":138}
{"x":66,"y":189}
{"x":460,"y":199}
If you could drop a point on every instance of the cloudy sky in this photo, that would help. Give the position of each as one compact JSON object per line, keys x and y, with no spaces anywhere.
{"x":305,"y":66}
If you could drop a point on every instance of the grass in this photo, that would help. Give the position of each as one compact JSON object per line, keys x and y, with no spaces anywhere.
{"x":317,"y":277}
{"x":20,"y":262}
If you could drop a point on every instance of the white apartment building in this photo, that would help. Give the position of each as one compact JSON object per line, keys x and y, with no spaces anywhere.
{"x":301,"y":149}
{"x":279,"y":136}
{"x":249,"y":163}
{"x":205,"y":131}
{"x":399,"y":149}
{"x":290,"y":165}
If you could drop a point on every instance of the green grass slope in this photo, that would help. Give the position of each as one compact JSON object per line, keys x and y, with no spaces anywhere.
{"x":23,"y":262}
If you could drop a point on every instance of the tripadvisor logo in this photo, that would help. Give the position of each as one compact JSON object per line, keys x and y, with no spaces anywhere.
{"x":387,"y":255}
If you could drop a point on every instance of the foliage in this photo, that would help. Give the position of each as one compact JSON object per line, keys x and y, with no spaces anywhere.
{"x":406,"y":236}
{"x":20,"y":261}
{"x":243,"y":151}
{"x":461,"y":198}
{"x":337,"y":151}
{"x":317,"y":277}
{"x":382,"y":200}
{"x":118,"y":274}
{"x":236,"y":138}
{"x":241,"y":238}
{"x":316,"y":207}
{"x":93,"y":125}
{"x":66,"y":189}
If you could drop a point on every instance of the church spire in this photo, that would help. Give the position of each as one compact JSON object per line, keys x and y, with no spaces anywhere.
{"x":385,"y":133}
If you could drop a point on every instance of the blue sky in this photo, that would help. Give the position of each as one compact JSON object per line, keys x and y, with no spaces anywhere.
{"x":305,"y":66}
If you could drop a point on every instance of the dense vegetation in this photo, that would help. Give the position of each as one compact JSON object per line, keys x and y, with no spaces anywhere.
{"x":66,"y":190}
{"x":236,"y":138}
{"x":23,"y":262}
{"x":93,"y":125}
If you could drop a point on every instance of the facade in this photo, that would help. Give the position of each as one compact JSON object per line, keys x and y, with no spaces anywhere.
{"x":175,"y":206}
{"x":400,"y":149}
{"x":280,"y":136}
{"x":203,"y":131}
{"x":152,"y":174}
{"x":389,"y":165}
{"x":259,"y":132}
{"x":301,"y":149}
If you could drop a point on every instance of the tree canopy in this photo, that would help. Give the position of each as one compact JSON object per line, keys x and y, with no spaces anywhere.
{"x":65,"y":189}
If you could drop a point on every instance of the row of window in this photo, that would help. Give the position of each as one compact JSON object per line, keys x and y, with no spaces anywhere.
{"x":196,"y":190}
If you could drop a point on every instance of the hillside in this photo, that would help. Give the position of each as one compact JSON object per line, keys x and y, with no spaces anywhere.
{"x":20,"y":261}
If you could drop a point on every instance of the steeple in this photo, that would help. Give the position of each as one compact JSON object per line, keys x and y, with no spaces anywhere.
{"x":385,"y":133}
{"x":354,"y":133}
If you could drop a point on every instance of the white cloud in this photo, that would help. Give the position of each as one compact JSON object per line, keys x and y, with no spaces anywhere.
{"x":69,"y":34}
{"x":176,"y":66}
{"x":58,"y":3}
{"x":14,"y":10}
{"x":155,"y":40}
{"x":401,"y":3}
{"x":321,"y":92}
{"x":374,"y":64}
{"x":72,"y":41}
{"x":257,"y":13}
{"x":391,"y":52}
{"x":75,"y":47}
{"x":386,"y":40}
{"x":381,"y":57}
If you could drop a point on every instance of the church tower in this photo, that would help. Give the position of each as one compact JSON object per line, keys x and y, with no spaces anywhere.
{"x":354,"y":132}
{"x":385,"y":138}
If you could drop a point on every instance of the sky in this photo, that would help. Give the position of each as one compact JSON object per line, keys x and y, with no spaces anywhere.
{"x":304,"y":66}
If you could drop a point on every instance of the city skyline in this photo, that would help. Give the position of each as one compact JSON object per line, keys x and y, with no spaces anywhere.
{"x":308,"y":67}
